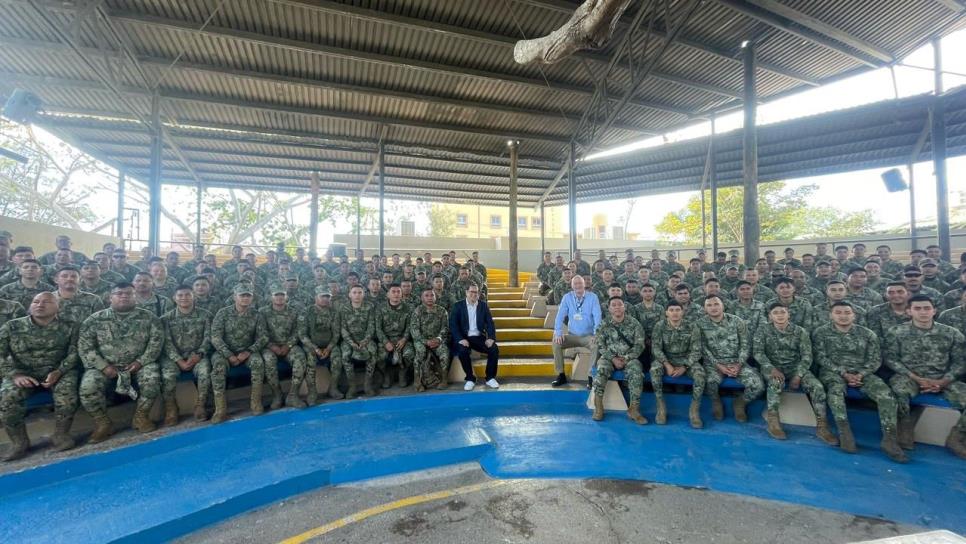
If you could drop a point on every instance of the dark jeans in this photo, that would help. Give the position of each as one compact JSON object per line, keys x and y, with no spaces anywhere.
{"x":478,"y":343}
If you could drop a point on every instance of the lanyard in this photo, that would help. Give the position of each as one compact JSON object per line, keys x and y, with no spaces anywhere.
{"x":579,"y":303}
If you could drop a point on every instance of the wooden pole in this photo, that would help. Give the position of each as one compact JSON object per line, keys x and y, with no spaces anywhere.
{"x":752,"y":224}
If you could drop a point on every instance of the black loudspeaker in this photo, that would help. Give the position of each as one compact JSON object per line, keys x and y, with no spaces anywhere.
{"x":893,"y":181}
{"x":21,"y":107}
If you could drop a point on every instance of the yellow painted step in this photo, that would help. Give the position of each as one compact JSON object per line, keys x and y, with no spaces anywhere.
{"x":532,"y":335}
{"x":522,"y":368}
{"x":495,"y":284}
{"x":510,"y":312}
{"x":516,"y":290}
{"x":526,"y":349}
{"x":508,"y":304}
{"x":503,"y":296}
{"x":518,"y":322}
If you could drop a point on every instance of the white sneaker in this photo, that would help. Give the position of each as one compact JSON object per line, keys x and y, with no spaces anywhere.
{"x":492,"y":383}
{"x":468,"y":386}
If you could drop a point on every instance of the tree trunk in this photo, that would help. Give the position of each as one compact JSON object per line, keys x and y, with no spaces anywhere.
{"x":591,"y":26}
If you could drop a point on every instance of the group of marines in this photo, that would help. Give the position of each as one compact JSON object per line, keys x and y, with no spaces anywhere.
{"x":821,"y":325}
{"x":85,"y":328}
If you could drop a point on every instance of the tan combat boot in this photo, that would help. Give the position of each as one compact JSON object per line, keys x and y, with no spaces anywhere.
{"x":906,"y":431}
{"x":221,"y":409}
{"x":694,"y":414}
{"x":598,"y":408}
{"x":61,"y":439}
{"x":822,"y":431}
{"x":19,"y":443}
{"x":956,"y":442}
{"x":142,"y":420}
{"x":890,"y":445}
{"x":634,"y":412}
{"x":276,"y":396}
{"x":334,"y":392}
{"x":386,"y":378}
{"x":741,"y":416}
{"x":846,"y":439}
{"x":402,"y":376}
{"x":103,"y":429}
{"x":170,"y":410}
{"x":293,"y":399}
{"x":661,"y":416}
{"x":256,"y":401}
{"x":367,"y":386}
{"x":717,"y":409}
{"x":775,"y":425}
{"x":201,"y":414}
{"x":311,"y":392}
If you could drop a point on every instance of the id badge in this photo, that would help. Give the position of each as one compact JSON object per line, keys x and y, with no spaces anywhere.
{"x":578,"y":317}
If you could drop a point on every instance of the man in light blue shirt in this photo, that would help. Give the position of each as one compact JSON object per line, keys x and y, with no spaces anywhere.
{"x":582,"y":311}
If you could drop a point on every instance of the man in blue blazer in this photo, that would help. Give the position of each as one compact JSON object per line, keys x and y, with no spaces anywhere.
{"x":471,"y":326}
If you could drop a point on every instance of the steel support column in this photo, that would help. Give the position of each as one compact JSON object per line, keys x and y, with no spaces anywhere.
{"x":358,"y":222}
{"x":939,"y":154}
{"x":199,"y":195}
{"x":314,"y":216}
{"x":121,"y":181}
{"x":572,"y":198}
{"x":514,"y":227}
{"x":913,"y":231}
{"x":713,"y":182}
{"x":382,"y":198}
{"x":752,"y":225}
{"x":543,"y":232}
{"x":154,"y":183}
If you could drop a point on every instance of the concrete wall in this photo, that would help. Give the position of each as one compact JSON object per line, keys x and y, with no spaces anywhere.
{"x":41,"y":236}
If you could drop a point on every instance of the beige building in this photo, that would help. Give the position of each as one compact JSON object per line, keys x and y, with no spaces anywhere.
{"x":473,"y":221}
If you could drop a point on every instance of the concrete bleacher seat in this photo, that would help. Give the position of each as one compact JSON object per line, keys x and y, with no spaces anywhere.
{"x":538,"y":306}
{"x":580,"y":370}
{"x":550,"y":318}
{"x":935,"y":416}
{"x":614,"y":398}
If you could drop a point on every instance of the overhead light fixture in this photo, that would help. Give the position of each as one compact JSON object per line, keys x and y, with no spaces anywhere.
{"x":745,"y":44}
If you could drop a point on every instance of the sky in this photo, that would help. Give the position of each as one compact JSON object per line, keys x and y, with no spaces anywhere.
{"x":852,"y":191}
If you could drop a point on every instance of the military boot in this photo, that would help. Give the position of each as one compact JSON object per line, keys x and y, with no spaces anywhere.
{"x":221,"y":409}
{"x":256,"y":403}
{"x":906,"y":431}
{"x":694,"y":414}
{"x":353,"y":390}
{"x":634,"y":412}
{"x":598,"y":408}
{"x":293,"y":400}
{"x":402,"y":376}
{"x":846,"y":439}
{"x":61,"y":439}
{"x":822,"y":431}
{"x":312,"y":393}
{"x":775,"y":425}
{"x":367,"y":386}
{"x":201,"y":413}
{"x":890,"y":445}
{"x":386,"y":378}
{"x":738,"y":405}
{"x":103,"y":429}
{"x":661,"y":416}
{"x":717,"y":409}
{"x":142,"y":419}
{"x":19,"y":443}
{"x":334,"y":392}
{"x":956,"y":441}
{"x":276,"y":396}
{"x":170,"y":410}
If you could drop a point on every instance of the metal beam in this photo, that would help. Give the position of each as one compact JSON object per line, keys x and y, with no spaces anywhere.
{"x":713,"y":179}
{"x":954,"y":5}
{"x":571,"y":197}
{"x":120,"y":205}
{"x":154,"y":182}
{"x":382,"y":199}
{"x":514,"y":230}
{"x":939,"y":154}
{"x":314,"y":215}
{"x":809,"y":28}
{"x":752,"y":225}
{"x":199,"y":197}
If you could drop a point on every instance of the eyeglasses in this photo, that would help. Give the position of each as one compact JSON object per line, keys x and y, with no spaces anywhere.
{"x":119,"y":256}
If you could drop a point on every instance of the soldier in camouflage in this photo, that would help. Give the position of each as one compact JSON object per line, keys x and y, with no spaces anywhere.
{"x":146,"y":299}
{"x":783,"y":350}
{"x":725,"y":347}
{"x":203,"y":297}
{"x":280,"y":323}
{"x":799,"y":309}
{"x":92,"y":282}
{"x":319,"y":331}
{"x":10,"y":309}
{"x":118,"y":347}
{"x":677,"y":352}
{"x":895,"y":311}
{"x":392,"y":331}
{"x":429,"y":330}
{"x":38,"y":353}
{"x":358,"y":322}
{"x":187,"y":343}
{"x":927,"y":357}
{"x":75,"y":305}
{"x":27,"y":286}
{"x":238,"y":339}
{"x":955,"y":317}
{"x":620,"y":341}
{"x":836,"y":291}
{"x":848,"y":356}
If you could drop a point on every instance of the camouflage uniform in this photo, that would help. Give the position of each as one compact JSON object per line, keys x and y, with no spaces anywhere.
{"x":157,"y":305}
{"x":544,"y":275}
{"x":128,"y":272}
{"x":679,"y":346}
{"x":359,"y":326}
{"x":33,"y":350}
{"x":856,"y":351}
{"x":954,"y":317}
{"x":319,"y":328}
{"x":102,"y":288}
{"x":560,"y":288}
{"x":119,"y":338}
{"x":167,"y":290}
{"x":800,"y":310}
{"x":444,"y":300}
{"x":10,"y":309}
{"x":647,"y":317}
{"x":231,"y":334}
{"x":79,"y":308}
{"x":936,"y":354}
{"x":19,"y":292}
{"x":186,"y":335}
{"x":426,"y":324}
{"x":881,"y":318}
{"x":866,"y":298}
{"x":789,"y":352}
{"x":624,"y":339}
{"x":728,"y":341}
{"x":753,"y":315}
{"x":822,"y":316}
{"x":209,"y":304}
{"x":281,"y":328}
{"x":392,"y":325}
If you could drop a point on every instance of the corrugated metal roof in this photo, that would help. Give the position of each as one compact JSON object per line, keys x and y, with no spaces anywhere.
{"x":262,"y":92}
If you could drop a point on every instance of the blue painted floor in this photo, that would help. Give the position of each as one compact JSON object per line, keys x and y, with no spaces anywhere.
{"x":175,"y":484}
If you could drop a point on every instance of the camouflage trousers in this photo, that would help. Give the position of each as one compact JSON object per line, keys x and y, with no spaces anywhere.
{"x":95,"y":385}
{"x":367,"y":354}
{"x":13,"y":399}
{"x":904,"y":389}
{"x":633,"y":376}
{"x":696,"y":373}
{"x":313,"y":360}
{"x":747,"y":376}
{"x":385,"y":357}
{"x":295,"y":358}
{"x":810,"y":384}
{"x":219,"y":371}
{"x":872,"y":387}
{"x":423,"y":365}
{"x":170,"y":372}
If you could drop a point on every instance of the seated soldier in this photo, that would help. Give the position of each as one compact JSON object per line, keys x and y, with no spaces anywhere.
{"x":238,"y":340}
{"x":358,"y":333}
{"x":187,"y":342}
{"x":676,"y":346}
{"x":429,"y":330}
{"x":281,"y":330}
{"x":927,"y":357}
{"x":38,"y":353}
{"x":392,"y":330}
{"x":319,"y":331}
{"x":620,"y":341}
{"x":783,"y":350}
{"x":848,"y":356}
{"x":725,"y":347}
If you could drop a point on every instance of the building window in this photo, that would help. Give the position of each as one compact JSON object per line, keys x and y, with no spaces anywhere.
{"x":535,"y":222}
{"x":461,"y":220}
{"x":496,"y":221}
{"x":522,"y":222}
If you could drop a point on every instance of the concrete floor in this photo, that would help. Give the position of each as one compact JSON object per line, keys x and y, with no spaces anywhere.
{"x":543,"y":511}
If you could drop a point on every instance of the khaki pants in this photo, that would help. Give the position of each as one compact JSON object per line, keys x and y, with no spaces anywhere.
{"x":573,"y":341}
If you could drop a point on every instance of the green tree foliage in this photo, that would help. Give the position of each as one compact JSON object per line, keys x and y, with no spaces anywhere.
{"x":785,"y":215}
{"x":442,"y":221}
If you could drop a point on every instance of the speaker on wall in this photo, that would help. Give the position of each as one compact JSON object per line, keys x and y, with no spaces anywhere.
{"x":21,"y":107}
{"x":894,"y":181}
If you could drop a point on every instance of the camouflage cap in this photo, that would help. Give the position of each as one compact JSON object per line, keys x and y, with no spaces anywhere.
{"x":731,"y":267}
{"x":927,"y":262}
{"x":277,"y":289}
{"x":733,"y":253}
{"x":321,"y":291}
{"x":244,"y":289}
{"x":6,"y":234}
{"x":291,"y":276}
